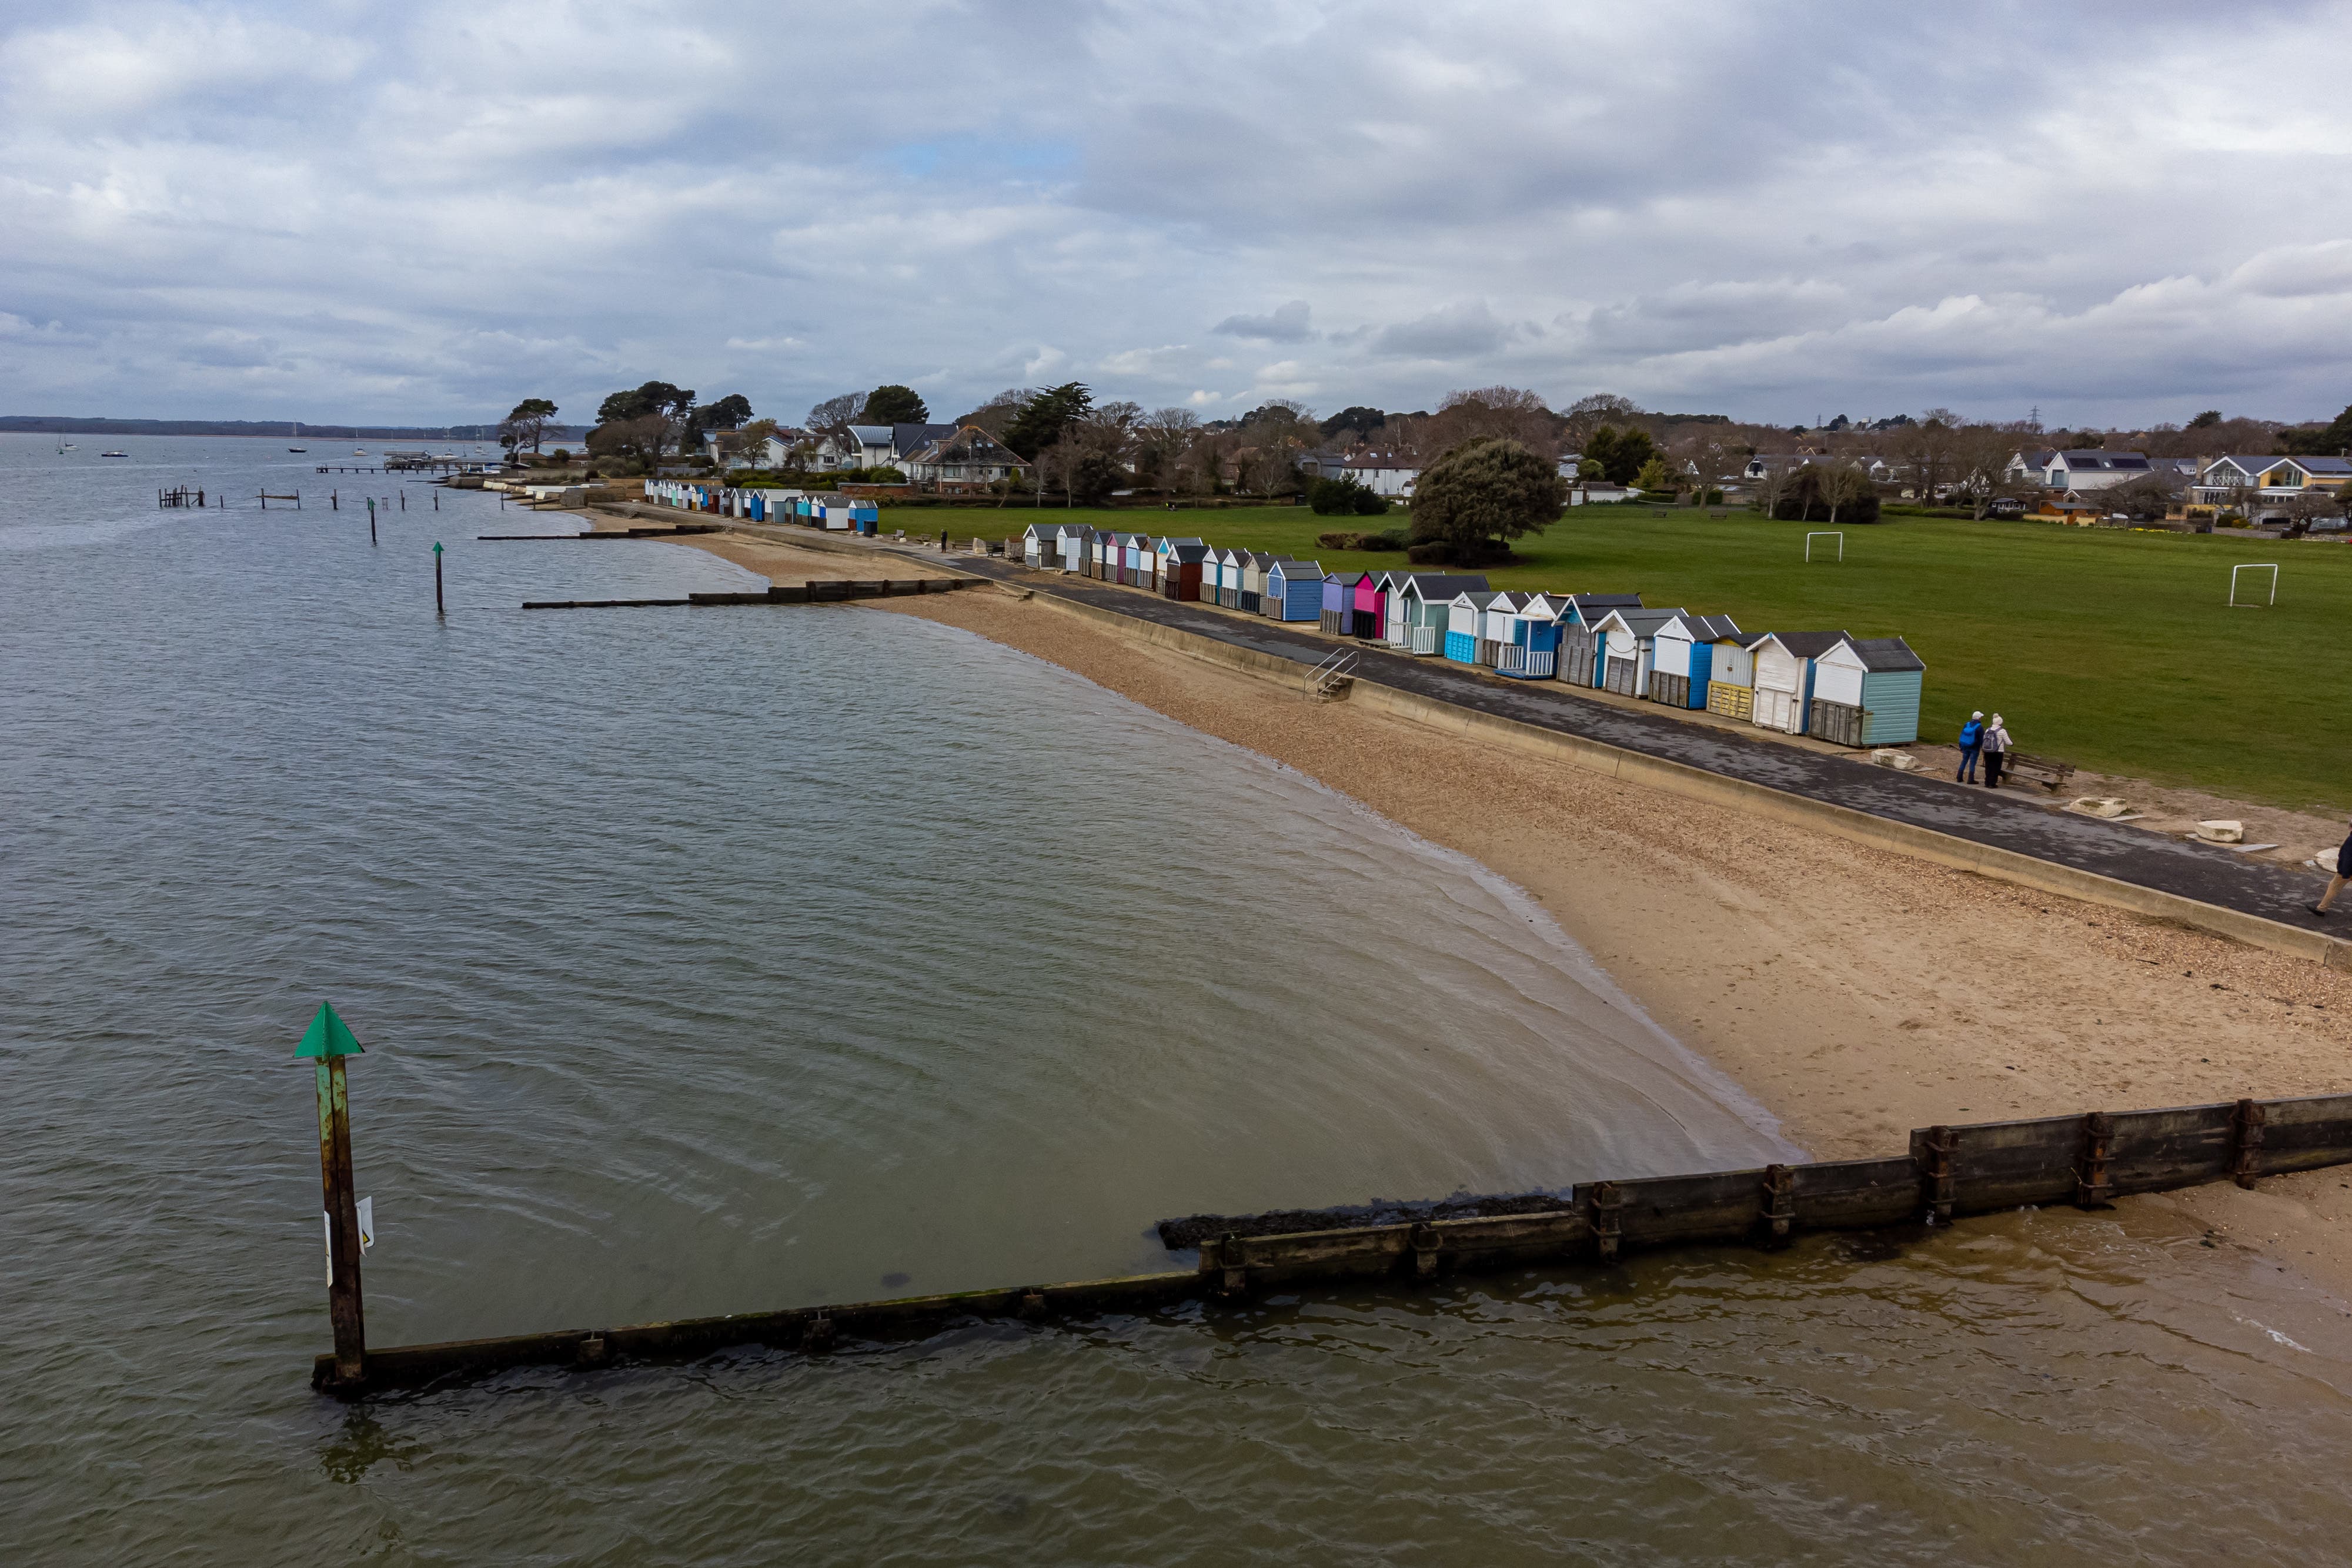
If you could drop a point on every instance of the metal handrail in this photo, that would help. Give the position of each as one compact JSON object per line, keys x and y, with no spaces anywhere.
{"x":1331,"y":671}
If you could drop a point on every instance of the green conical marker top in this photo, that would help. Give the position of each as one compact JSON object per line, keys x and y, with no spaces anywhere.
{"x":329,"y":1036}
{"x":436,"y":547}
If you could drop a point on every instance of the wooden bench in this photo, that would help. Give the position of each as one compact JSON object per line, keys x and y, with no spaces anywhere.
{"x":2046,"y":771}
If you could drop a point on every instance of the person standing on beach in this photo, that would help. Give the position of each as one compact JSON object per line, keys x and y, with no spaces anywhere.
{"x":2336,"y":883}
{"x":1971,"y":742}
{"x":1995,"y":751}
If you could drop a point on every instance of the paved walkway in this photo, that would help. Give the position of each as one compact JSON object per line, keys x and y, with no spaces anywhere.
{"x":2201,"y":872}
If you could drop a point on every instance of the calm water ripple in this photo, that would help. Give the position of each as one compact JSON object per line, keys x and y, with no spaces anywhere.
{"x":718,"y":960}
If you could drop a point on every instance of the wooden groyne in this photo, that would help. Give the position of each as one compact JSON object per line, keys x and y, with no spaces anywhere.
{"x":1949,"y":1172}
{"x":662,"y":533}
{"x":818,"y":593}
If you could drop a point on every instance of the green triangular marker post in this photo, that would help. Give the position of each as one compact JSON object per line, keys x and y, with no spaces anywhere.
{"x":329,"y":1035}
{"x":329,"y":1041}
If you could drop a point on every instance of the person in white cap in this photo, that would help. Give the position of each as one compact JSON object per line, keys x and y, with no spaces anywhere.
{"x":1995,"y":751}
{"x":1971,"y":742}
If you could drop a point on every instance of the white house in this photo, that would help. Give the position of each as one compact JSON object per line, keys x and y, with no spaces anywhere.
{"x":1381,"y":475}
{"x":2093,"y":470}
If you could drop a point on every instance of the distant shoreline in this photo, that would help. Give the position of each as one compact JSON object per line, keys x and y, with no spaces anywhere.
{"x":268,"y":430}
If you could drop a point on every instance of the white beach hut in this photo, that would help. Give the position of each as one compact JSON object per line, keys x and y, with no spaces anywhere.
{"x":1784,"y":676}
{"x":1866,"y":693}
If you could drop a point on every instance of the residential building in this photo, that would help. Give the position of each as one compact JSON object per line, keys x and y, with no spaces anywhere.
{"x":877,"y":445}
{"x":2241,"y":479}
{"x":966,"y":458}
{"x":1382,"y":473}
{"x":2091,"y":469}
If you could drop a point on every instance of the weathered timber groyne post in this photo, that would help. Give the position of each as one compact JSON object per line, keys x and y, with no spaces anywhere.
{"x":329,"y":1039}
{"x":371,"y":520}
{"x":1949,"y":1172}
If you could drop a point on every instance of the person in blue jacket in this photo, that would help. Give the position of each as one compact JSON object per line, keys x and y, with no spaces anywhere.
{"x":2340,"y":873}
{"x":1971,"y":743}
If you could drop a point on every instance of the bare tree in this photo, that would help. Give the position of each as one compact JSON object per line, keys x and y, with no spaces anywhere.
{"x":1510,"y":414}
{"x":2149,"y":495}
{"x":836,"y":413}
{"x":1980,"y":465}
{"x":1589,"y":413}
{"x":996,"y":415}
{"x":1161,"y":438}
{"x":1840,"y":484}
{"x":2309,"y":508}
{"x":1928,"y":446}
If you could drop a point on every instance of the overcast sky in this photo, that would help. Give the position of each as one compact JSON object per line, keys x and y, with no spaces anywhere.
{"x":336,"y":211}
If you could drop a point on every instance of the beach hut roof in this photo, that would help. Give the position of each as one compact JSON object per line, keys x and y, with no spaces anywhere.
{"x":1883,"y":655}
{"x":1189,"y":551}
{"x":1476,"y":598}
{"x":1166,"y":543}
{"x":1290,"y":567}
{"x":1441,"y":585}
{"x":1805,"y":644}
{"x":1260,"y":558}
{"x":1713,"y":628}
{"x":1605,"y":601}
{"x":1645,"y":623}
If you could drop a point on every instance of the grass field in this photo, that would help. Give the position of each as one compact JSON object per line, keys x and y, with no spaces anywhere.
{"x":2113,"y":649}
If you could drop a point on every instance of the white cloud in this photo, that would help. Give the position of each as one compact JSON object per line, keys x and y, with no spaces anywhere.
{"x":256,"y":208}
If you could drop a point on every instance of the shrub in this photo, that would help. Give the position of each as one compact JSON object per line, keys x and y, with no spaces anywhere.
{"x":1344,"y":497}
{"x":1393,"y":539}
{"x":1486,"y":489}
{"x":1341,"y":541}
{"x":1430,"y":552}
{"x":562,"y":455}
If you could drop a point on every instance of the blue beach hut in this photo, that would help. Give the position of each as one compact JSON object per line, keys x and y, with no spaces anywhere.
{"x":1294,"y":589}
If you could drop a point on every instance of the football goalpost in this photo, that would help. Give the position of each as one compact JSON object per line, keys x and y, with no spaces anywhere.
{"x":1824,"y":534}
{"x":2271,"y":567}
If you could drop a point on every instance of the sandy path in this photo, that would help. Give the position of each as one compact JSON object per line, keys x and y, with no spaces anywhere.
{"x":1856,"y":993}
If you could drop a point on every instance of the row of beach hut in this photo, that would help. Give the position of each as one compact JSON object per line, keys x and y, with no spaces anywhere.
{"x":809,"y":509}
{"x":1854,"y":691}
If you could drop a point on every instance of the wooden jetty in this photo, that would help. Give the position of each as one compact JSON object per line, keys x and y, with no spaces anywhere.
{"x":2087,"y":1161}
{"x":414,"y":466}
{"x":180,"y":496}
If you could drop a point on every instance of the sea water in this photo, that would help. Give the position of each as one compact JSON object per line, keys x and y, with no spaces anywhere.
{"x":717,"y":961}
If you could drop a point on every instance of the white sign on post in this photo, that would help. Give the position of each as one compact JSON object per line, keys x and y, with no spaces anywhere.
{"x":367,"y":1232}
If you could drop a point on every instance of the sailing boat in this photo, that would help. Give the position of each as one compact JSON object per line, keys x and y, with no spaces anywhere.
{"x":294,"y":431}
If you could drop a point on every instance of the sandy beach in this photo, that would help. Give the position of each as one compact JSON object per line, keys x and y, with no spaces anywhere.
{"x":1855,"y":993}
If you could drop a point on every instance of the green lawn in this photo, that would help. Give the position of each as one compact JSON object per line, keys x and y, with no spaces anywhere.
{"x":2113,"y":649}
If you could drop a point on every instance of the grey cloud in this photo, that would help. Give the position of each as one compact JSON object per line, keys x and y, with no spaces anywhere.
{"x":1286,"y":324}
{"x":1878,"y":208}
{"x":1450,"y":332}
